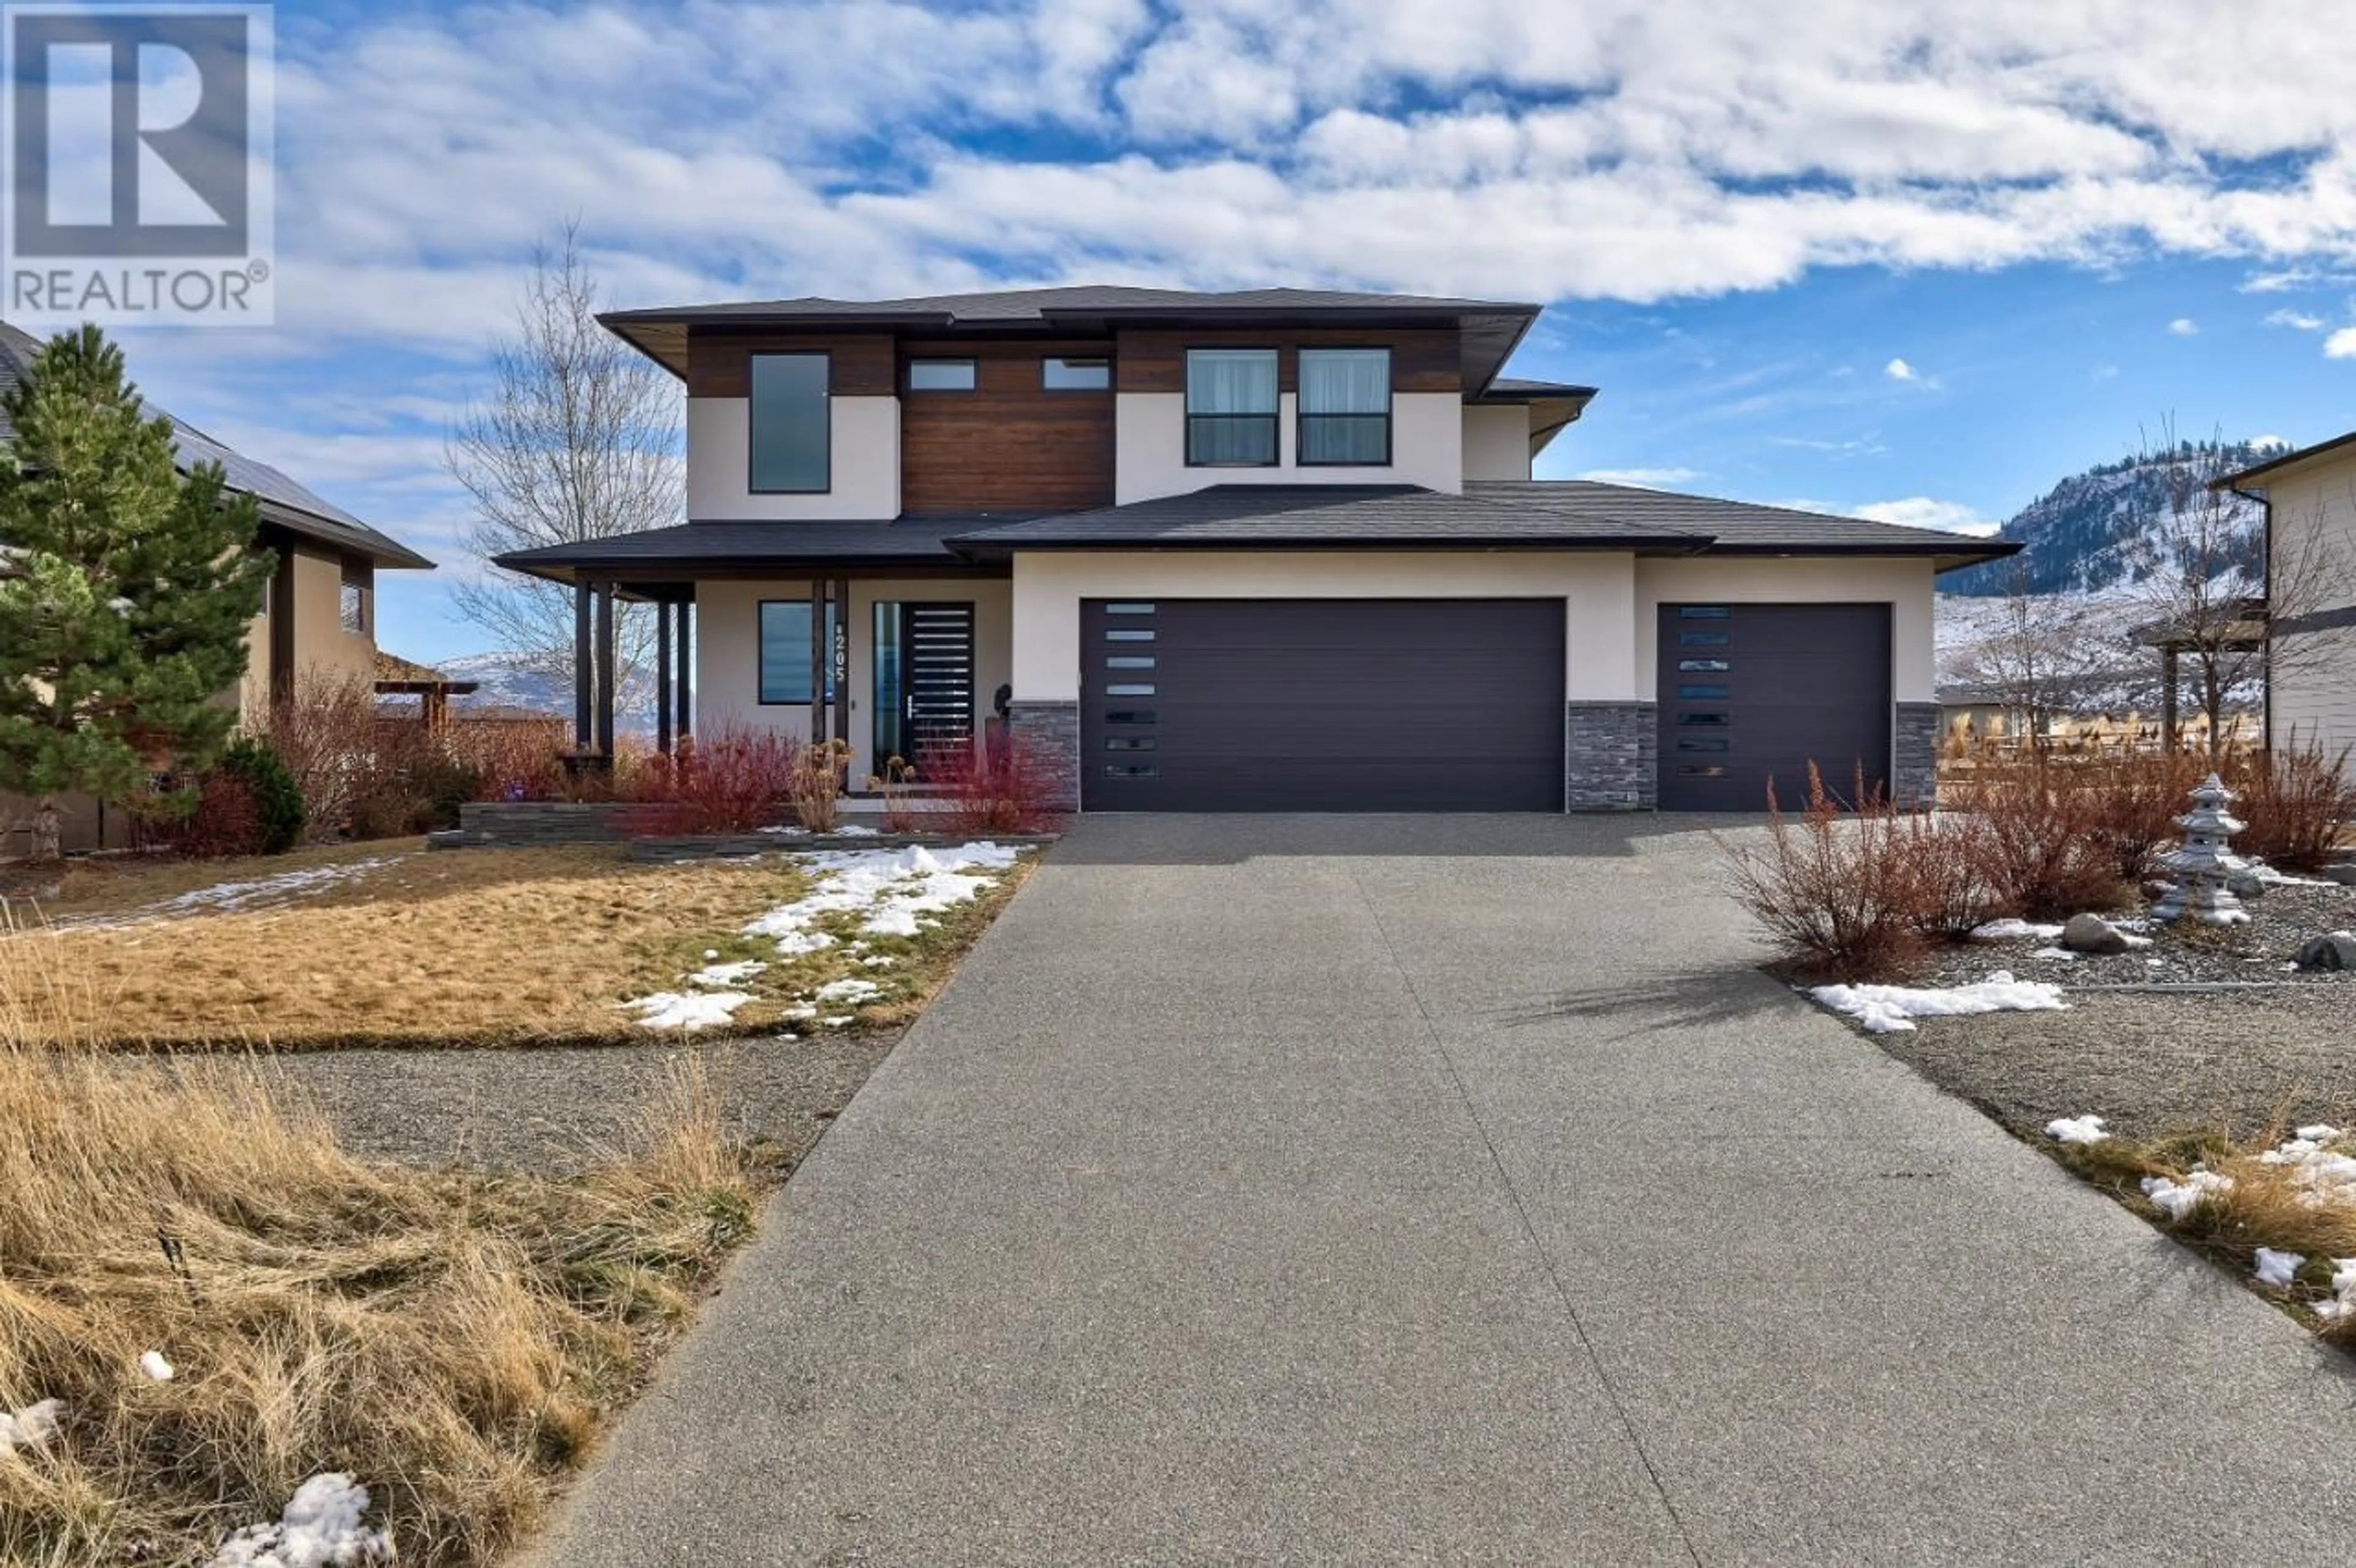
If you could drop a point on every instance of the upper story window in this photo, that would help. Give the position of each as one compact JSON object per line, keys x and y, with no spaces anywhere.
{"x":1231,"y":407}
{"x":940,"y":375}
{"x":792,"y":431}
{"x":352,"y":597}
{"x":1346,"y":407}
{"x":1059,"y":374}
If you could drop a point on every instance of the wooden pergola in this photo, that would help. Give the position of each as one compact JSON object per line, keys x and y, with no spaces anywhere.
{"x":398,"y":677}
{"x":2245,"y":632}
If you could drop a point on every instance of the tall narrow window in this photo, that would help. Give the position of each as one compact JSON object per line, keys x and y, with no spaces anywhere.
{"x":1231,"y":408}
{"x":353,"y":596}
{"x":785,"y":651}
{"x":790,"y":426}
{"x":1346,"y":407}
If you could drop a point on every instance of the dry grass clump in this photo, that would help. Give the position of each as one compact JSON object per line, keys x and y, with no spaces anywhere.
{"x":2266,"y":1198}
{"x":452,"y":1341}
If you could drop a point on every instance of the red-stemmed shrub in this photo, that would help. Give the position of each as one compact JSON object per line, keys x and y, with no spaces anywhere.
{"x":1000,"y":787}
{"x":1837,"y":889}
{"x":2041,"y":840}
{"x":225,"y":820}
{"x":737,"y":782}
{"x":2298,"y":802}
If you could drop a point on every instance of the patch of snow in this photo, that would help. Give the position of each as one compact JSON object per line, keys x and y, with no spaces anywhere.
{"x":688,"y":1010}
{"x":724,"y":974}
{"x":2278,"y":1269}
{"x":2319,"y":1132}
{"x":848,"y":993}
{"x":879,"y":961}
{"x":2060,"y":955}
{"x":893,"y":888}
{"x":836,"y":1022}
{"x":320,"y":1529}
{"x":2267,"y":876}
{"x":231,"y":898}
{"x":157,"y":1369}
{"x":788,"y":831}
{"x":2178,"y":1198}
{"x":2010,"y":930}
{"x":2134,"y":942}
{"x":2076,"y":1130}
{"x":2157,"y":963}
{"x":853,"y":830}
{"x":710,"y":954}
{"x":31,"y":1427}
{"x":1886,"y":1009}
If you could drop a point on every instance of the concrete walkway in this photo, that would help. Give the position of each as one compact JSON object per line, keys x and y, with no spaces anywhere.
{"x":1320,"y":1189}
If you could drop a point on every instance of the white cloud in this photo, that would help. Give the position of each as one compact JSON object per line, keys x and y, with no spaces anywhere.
{"x":2296,"y":319}
{"x":2270,"y":440}
{"x":1922,"y":512}
{"x":2340,"y":345}
{"x":1645,"y":478}
{"x":2184,"y":326}
{"x":2103,"y":373}
{"x":1899,"y":370}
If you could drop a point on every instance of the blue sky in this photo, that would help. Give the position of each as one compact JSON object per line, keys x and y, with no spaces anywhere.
{"x":1906,"y":257}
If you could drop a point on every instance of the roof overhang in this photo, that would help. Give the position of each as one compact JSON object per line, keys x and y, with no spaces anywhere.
{"x":1946,"y":554}
{"x":378,"y":548}
{"x":2288,"y":462}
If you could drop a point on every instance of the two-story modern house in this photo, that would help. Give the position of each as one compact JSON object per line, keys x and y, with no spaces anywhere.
{"x":318,"y":613}
{"x":1268,"y":550}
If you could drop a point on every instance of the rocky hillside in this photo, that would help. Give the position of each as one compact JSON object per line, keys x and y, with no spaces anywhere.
{"x":2082,"y":536}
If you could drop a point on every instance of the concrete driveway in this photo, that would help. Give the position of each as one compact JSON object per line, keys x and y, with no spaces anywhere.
{"x":1445,"y":1190}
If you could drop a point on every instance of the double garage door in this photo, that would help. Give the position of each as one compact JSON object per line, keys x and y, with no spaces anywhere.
{"x":1447,"y":704}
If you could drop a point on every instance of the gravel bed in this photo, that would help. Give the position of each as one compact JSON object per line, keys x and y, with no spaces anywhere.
{"x":555,"y":1110}
{"x":2281,"y":920}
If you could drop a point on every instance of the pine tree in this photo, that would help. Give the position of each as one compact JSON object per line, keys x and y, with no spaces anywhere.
{"x":126,"y":590}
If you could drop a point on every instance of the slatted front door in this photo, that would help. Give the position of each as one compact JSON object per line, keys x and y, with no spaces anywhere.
{"x":937,"y":676}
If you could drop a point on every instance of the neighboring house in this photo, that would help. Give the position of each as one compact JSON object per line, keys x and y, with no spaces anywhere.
{"x":318,"y":613}
{"x":2310,"y":533}
{"x":1276,"y":550}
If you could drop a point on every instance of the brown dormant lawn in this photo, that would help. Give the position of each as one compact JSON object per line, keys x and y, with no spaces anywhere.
{"x":387,"y":944}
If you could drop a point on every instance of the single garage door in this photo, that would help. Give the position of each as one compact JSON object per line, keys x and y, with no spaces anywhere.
{"x":1321,"y":705}
{"x":1754,"y":692}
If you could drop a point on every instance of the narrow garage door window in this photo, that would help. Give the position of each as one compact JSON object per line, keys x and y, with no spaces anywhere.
{"x":1752,"y":694}
{"x":1321,"y":705}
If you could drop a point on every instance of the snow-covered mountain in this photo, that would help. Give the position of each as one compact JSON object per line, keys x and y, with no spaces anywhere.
{"x":2087,"y":534}
{"x":511,"y":680}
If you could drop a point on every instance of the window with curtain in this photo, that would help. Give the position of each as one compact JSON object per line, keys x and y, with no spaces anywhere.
{"x":1231,"y":407}
{"x":790,"y":424}
{"x":1346,"y":407}
{"x":785,"y":651}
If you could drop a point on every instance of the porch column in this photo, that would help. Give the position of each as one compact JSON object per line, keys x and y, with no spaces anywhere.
{"x":838,"y":655}
{"x":686,"y":664}
{"x":583,"y":675}
{"x":2168,"y":723}
{"x":606,"y":670}
{"x":662,"y":676}
{"x":818,"y":661}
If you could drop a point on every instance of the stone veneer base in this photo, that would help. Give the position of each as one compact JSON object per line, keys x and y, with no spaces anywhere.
{"x":1914,"y":779}
{"x":1047,"y":734}
{"x":1611,"y":756}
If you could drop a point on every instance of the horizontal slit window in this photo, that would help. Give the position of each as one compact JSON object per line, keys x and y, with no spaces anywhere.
{"x":1129,"y":716}
{"x":1130,"y":661}
{"x":1703,"y":639}
{"x":1703,"y":719}
{"x":1704,"y":743}
{"x":1705,"y":690}
{"x":1129,"y":688}
{"x":1703,"y":613}
{"x":1059,"y":373}
{"x":1129,"y":635}
{"x":1131,"y":770}
{"x":1131,"y":743}
{"x":1702,"y":770}
{"x":1131,"y":609}
{"x":940,"y":375}
{"x":1704,"y":665}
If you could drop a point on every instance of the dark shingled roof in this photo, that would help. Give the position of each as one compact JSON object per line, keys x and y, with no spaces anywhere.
{"x":284,"y":502}
{"x":910,"y":541}
{"x":1742,"y":528}
{"x":1087,"y":299}
{"x":1326,"y":516}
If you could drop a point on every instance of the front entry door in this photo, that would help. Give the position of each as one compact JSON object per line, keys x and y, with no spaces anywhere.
{"x":924,"y":678}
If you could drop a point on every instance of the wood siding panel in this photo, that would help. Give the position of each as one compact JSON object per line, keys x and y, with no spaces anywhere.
{"x":720,"y":365}
{"x":1010,"y":445}
{"x":1423,"y":359}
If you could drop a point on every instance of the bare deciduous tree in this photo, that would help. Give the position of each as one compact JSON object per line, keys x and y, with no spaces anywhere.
{"x":578,"y":438}
{"x":2047,"y":655}
{"x":2211,"y":585}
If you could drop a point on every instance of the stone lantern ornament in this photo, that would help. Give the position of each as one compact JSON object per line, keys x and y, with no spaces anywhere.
{"x":2206,"y":863}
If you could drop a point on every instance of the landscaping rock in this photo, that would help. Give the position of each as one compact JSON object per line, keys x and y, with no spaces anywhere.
{"x":2093,"y":933}
{"x":2245,"y":884}
{"x":2334,"y":952}
{"x":2343,"y":873}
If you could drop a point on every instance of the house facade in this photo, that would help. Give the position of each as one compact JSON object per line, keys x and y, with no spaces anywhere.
{"x":2310,"y":536}
{"x":1269,"y":550}
{"x":318,"y":614}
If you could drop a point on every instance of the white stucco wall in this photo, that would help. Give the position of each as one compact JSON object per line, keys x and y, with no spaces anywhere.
{"x":727,"y":654}
{"x":1597,"y":591}
{"x":1149,"y":448}
{"x":864,"y":463}
{"x":2313,"y":520}
{"x":1903,"y":584}
{"x":1496,"y":442}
